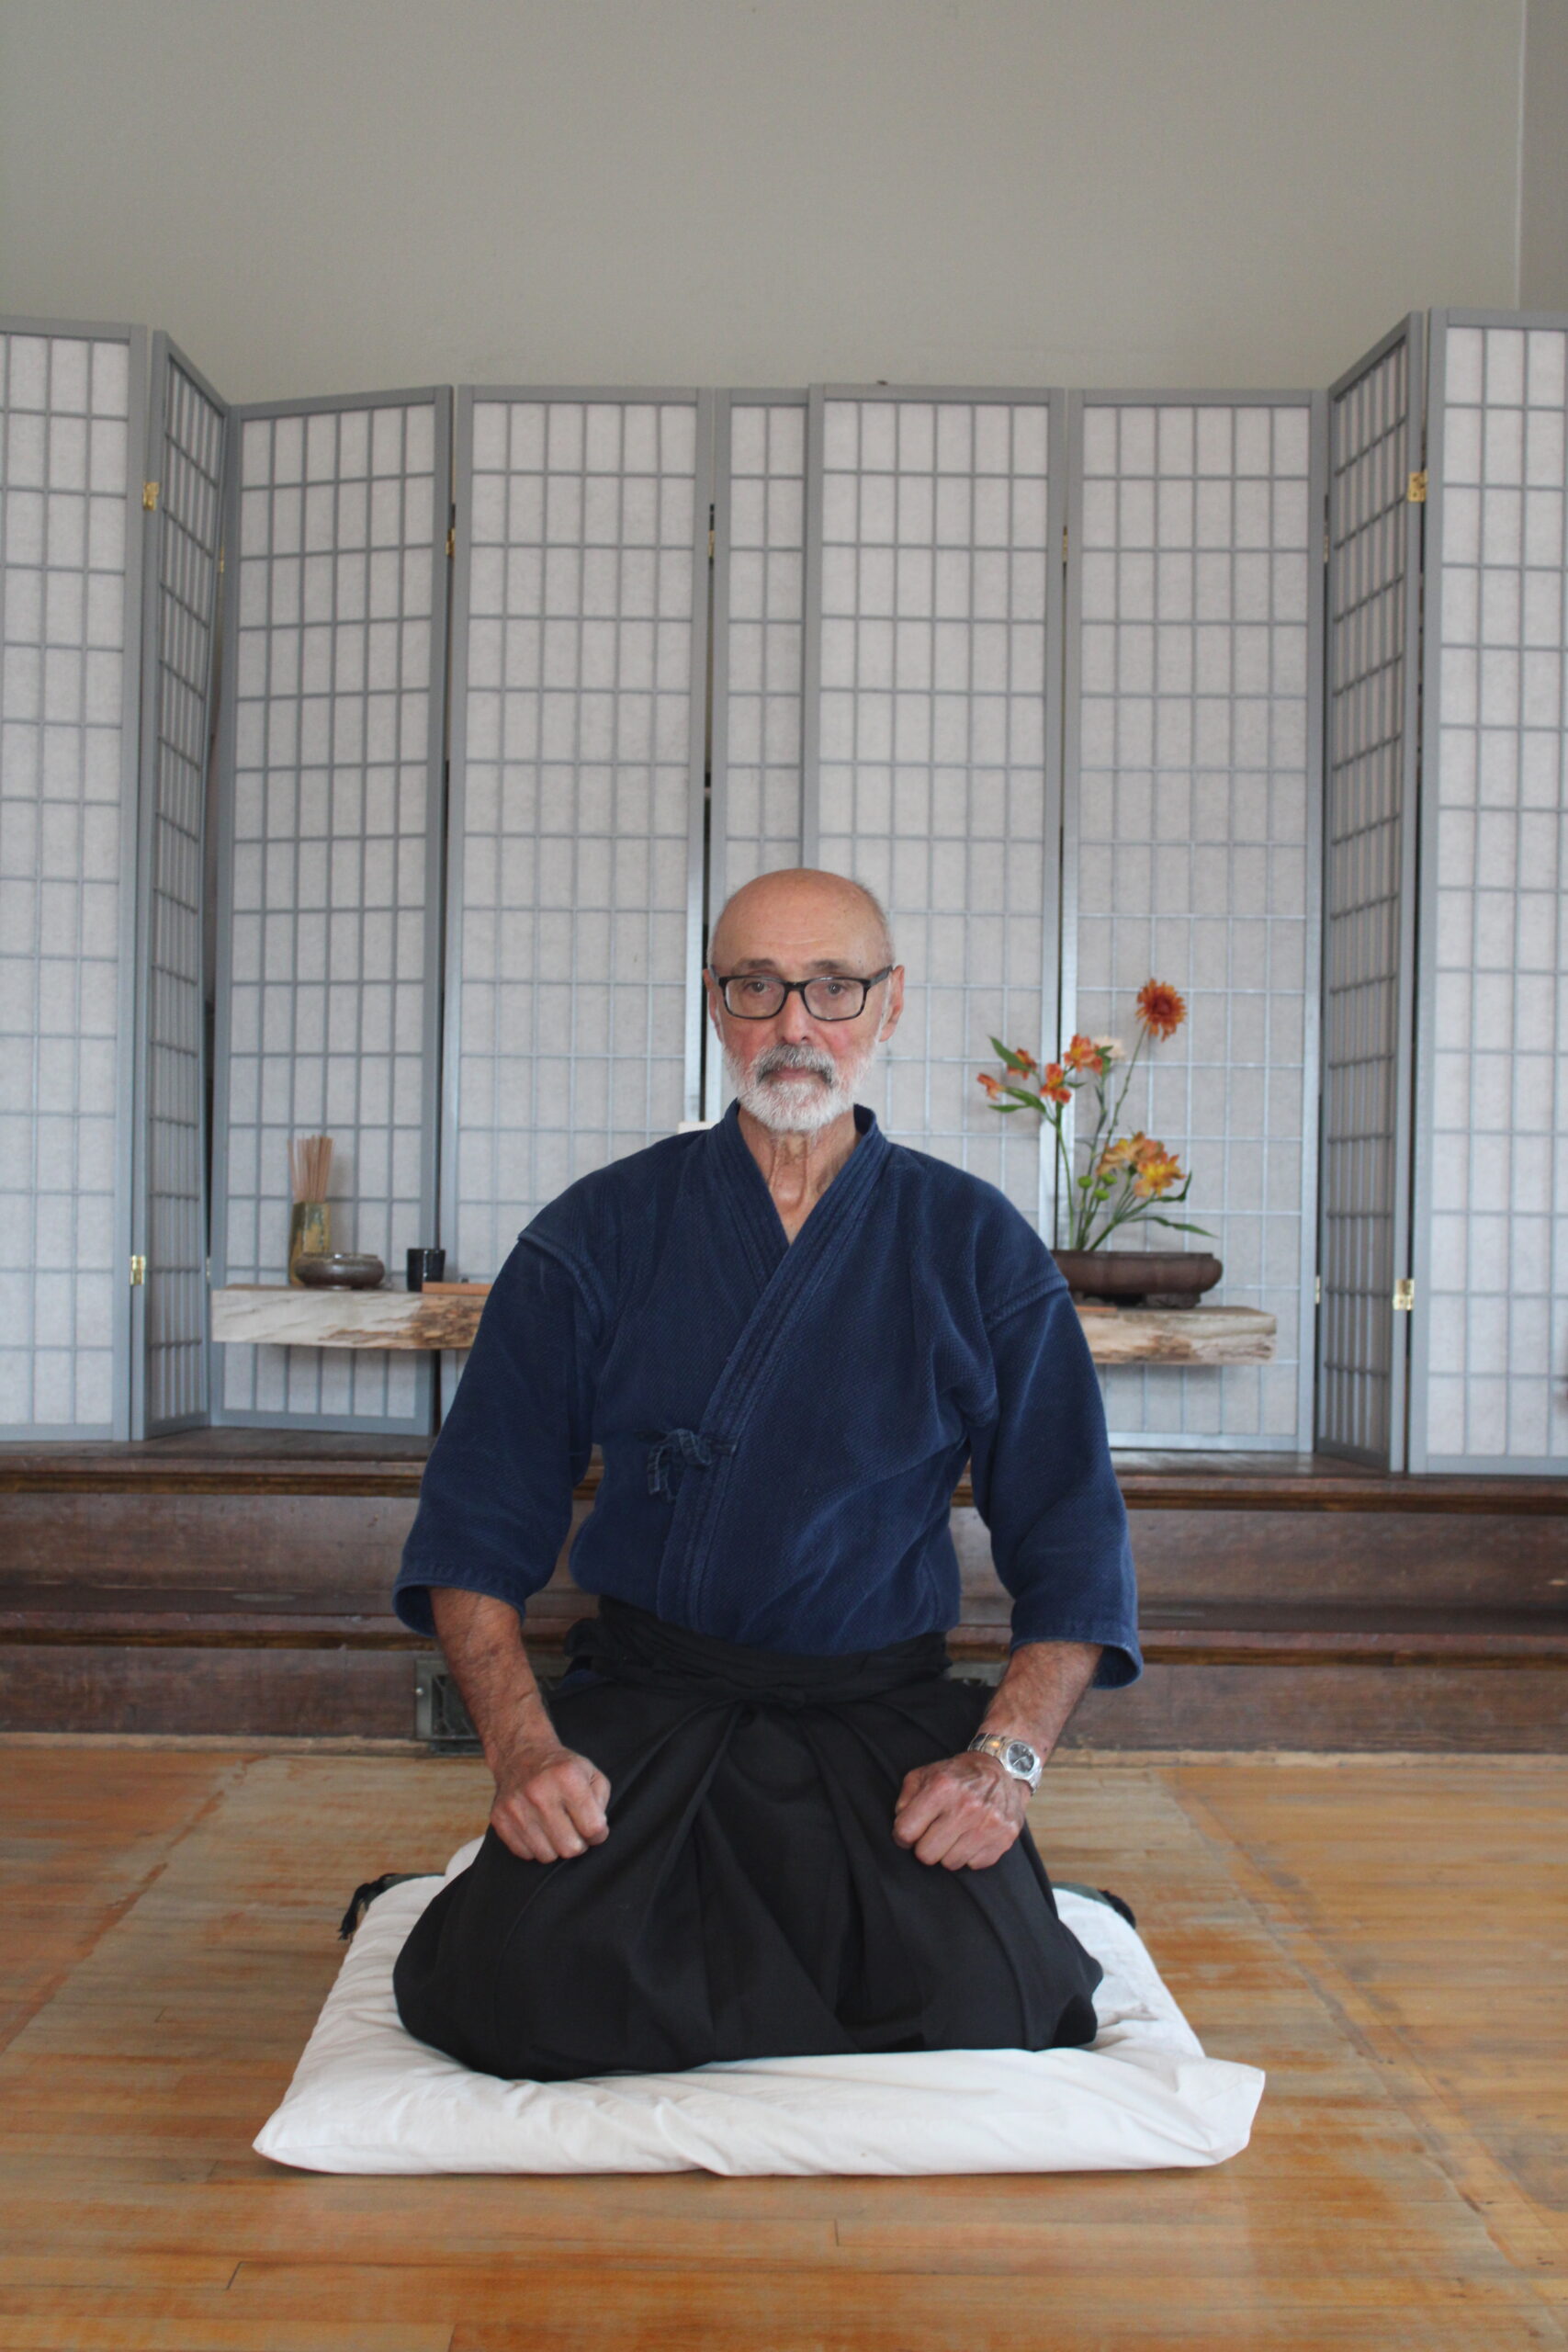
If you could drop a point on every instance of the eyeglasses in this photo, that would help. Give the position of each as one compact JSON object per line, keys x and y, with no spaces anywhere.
{"x":758,"y":996}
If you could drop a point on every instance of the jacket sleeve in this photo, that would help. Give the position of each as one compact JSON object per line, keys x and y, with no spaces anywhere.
{"x":1044,"y":1487}
{"x":495,"y":1505}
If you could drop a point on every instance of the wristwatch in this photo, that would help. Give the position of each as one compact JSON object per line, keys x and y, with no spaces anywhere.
{"x":1014,"y":1755}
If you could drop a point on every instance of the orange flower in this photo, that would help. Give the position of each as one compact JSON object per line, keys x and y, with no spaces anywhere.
{"x":1084,"y":1054}
{"x":1156,"y":1174}
{"x":1051,"y":1083}
{"x":1026,"y":1061}
{"x":1147,"y":1150}
{"x":1124,"y":1153}
{"x":993,"y":1086}
{"x":1160,"y":1010}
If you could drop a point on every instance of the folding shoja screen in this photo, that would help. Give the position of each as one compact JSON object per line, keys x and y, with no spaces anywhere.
{"x":330,"y":867}
{"x":580,"y":655}
{"x":1376,"y":417}
{"x":931,"y":769}
{"x":1190,"y":849}
{"x":1490,"y":1326}
{"x":759,"y":615}
{"x":71,"y":512}
{"x":184,"y":522}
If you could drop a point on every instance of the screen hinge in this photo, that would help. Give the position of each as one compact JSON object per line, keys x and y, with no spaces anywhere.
{"x":1404,"y":1298}
{"x":451,"y":541}
{"x":1318,"y":1290}
{"x":149,"y":497}
{"x":1416,"y":492}
{"x":1064,"y":546}
{"x":137,"y":1272}
{"x":712,"y":535}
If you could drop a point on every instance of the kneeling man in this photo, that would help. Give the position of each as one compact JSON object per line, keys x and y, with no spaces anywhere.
{"x":756,"y":1819}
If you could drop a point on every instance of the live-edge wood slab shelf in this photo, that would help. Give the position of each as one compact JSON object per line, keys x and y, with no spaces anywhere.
{"x":447,"y":1315}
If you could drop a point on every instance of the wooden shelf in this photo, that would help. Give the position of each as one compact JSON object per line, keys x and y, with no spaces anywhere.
{"x":447,"y":1316}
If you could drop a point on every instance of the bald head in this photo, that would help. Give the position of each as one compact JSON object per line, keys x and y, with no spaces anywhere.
{"x":842,"y":918}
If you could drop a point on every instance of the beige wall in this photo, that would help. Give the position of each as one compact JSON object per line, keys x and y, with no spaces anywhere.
{"x":319,"y":195}
{"x":1543,"y":221}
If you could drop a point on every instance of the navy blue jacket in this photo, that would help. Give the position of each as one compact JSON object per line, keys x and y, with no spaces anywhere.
{"x":781,"y":1423}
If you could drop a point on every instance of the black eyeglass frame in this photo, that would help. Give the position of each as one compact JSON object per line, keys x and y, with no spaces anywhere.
{"x":790,"y":987}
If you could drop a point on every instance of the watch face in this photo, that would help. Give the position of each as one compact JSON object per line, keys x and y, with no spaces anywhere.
{"x":1021,"y":1758}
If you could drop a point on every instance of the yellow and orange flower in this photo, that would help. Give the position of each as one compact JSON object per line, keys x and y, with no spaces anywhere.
{"x":1160,"y":1009}
{"x":1124,"y":1153}
{"x":1052,"y":1083}
{"x":1084,"y":1054}
{"x":1158,"y":1171}
{"x":993,"y":1086}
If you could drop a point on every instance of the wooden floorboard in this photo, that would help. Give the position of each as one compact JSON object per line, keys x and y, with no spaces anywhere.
{"x":1386,"y":1939}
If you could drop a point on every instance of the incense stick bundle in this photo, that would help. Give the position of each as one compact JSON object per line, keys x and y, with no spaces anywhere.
{"x":310,"y":1166}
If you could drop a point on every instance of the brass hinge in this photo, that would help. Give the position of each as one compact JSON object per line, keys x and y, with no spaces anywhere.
{"x":1063,"y":544}
{"x":220,"y":564}
{"x":711,"y":543}
{"x":150,"y":496}
{"x":1416,"y":492}
{"x":451,"y":541}
{"x":1404,"y":1298}
{"x":713,"y":517}
{"x":137,"y":1272}
{"x":1318,"y":1290}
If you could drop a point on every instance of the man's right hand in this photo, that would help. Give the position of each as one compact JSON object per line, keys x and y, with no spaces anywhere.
{"x":549,"y":1803}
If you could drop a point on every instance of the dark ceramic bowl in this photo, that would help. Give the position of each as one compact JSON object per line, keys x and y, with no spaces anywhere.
{"x":1140,"y":1277}
{"x":340,"y":1270}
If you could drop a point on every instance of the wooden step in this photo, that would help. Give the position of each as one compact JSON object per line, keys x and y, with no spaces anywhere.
{"x":240,"y":1580}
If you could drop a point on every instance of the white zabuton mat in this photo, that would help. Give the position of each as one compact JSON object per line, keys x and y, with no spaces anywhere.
{"x":367,"y":2097}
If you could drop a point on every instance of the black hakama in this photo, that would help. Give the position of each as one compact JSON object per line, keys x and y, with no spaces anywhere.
{"x":750,"y":1900}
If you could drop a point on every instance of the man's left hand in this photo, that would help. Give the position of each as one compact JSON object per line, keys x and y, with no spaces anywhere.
{"x":964,"y":1813}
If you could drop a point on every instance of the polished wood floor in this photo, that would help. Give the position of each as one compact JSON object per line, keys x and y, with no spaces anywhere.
{"x":1387,"y":1939}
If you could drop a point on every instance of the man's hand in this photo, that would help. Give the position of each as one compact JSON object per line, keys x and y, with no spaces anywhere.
{"x":964,"y":1813}
{"x":549,"y":1803}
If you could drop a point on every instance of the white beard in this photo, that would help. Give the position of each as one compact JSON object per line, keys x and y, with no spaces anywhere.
{"x":803,"y":1106}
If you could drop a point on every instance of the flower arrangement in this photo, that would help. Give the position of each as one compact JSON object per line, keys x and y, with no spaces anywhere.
{"x":1125,"y":1175}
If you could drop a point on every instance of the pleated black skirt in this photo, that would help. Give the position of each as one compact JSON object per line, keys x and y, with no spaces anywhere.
{"x":750,"y":1900}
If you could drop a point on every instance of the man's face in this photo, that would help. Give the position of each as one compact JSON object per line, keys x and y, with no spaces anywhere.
{"x":794,"y":1073}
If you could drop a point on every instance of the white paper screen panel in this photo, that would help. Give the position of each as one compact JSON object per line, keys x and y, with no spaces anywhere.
{"x":1491,"y":1325}
{"x":73,"y":405}
{"x":574,"y":923}
{"x":1375,"y":420}
{"x":185,"y":460}
{"x":330,"y":869}
{"x":759,"y":622}
{"x":1191,"y":852}
{"x":930,"y":771}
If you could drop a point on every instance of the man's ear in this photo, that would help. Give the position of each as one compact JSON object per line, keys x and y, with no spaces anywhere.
{"x":895,"y":1002}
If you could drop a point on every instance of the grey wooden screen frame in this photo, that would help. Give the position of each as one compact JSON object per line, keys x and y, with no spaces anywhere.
{"x":1314,"y":402}
{"x":419,"y":1419}
{"x":117,"y":1424}
{"x":1395,"y":1205}
{"x":147,"y":1420}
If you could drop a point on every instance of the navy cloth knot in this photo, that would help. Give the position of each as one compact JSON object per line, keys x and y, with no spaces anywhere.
{"x":680,"y":1450}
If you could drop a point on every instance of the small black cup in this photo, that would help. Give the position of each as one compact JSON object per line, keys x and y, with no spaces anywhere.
{"x":425,"y":1266}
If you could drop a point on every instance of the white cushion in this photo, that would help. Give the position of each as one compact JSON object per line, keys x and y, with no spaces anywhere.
{"x":368,"y":2097}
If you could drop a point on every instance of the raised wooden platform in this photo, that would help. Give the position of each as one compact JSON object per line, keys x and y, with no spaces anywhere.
{"x":447,"y":1315}
{"x":239,"y":1581}
{"x":1385,"y":1940}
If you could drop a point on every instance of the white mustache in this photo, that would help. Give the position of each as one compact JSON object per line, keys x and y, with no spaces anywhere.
{"x":796,"y":1059}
